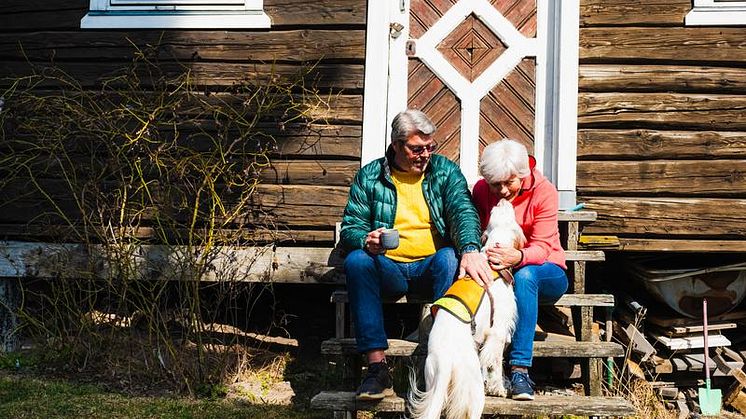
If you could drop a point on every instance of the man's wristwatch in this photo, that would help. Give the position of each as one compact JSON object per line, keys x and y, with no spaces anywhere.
{"x":469,"y":248}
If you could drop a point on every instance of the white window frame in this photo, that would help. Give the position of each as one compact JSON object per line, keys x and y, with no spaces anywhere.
{"x":717,"y":12}
{"x":175,"y":14}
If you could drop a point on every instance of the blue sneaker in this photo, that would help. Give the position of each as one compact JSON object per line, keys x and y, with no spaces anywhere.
{"x":521,"y":386}
{"x":377,"y":384}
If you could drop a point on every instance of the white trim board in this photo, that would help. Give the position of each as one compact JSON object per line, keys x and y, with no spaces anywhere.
{"x":716,"y":13}
{"x":191,"y":20}
{"x":692,"y":342}
{"x":565,"y":133}
{"x":175,"y":14}
{"x":375,"y":121}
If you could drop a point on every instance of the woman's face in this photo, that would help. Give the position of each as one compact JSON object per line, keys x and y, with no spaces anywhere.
{"x":508,"y":188}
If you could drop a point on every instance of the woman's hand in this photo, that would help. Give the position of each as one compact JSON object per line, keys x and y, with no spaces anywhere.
{"x":501,"y":258}
{"x":373,"y":242}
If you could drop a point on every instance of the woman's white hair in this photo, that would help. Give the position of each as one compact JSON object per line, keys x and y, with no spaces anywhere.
{"x":503,"y":159}
{"x":410,"y":122}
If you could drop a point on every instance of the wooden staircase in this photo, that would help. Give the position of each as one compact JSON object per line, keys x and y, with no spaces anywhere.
{"x":587,"y":346}
{"x":542,"y":405}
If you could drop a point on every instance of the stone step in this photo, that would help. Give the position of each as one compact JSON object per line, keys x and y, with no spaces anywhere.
{"x":542,"y":349}
{"x":567,"y":300}
{"x":543,"y":405}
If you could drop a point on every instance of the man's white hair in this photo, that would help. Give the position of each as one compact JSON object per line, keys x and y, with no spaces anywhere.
{"x":410,"y":122}
{"x":503,"y":159}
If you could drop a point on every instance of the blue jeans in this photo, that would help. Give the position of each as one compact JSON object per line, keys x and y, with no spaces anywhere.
{"x":533,"y":284}
{"x":371,"y":277}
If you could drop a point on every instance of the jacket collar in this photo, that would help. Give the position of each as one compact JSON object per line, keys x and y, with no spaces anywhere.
{"x":388,"y":162}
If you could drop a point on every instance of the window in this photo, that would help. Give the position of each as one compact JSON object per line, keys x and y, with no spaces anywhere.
{"x":175,"y":14}
{"x":717,"y":12}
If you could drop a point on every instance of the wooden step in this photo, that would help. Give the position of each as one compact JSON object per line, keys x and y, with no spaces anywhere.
{"x":577,"y":216}
{"x":567,"y":300}
{"x":543,"y":405}
{"x":585,"y":255}
{"x":542,"y":349}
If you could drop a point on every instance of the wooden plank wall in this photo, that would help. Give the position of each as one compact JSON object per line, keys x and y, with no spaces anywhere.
{"x":662,"y":126}
{"x":304,"y":193}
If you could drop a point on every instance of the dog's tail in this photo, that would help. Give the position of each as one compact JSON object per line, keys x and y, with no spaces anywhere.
{"x":453,"y":376}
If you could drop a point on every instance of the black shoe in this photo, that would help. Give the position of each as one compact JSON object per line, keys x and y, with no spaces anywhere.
{"x":377,"y":383}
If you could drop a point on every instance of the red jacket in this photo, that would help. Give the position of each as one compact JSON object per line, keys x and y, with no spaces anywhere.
{"x":536,"y":209}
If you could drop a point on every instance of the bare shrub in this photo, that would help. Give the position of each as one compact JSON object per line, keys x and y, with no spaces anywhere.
{"x":148,"y":185}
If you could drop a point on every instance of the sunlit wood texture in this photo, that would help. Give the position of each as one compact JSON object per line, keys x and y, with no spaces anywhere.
{"x":508,"y":110}
{"x":424,"y":13}
{"x":428,"y":93}
{"x":521,"y":13}
{"x":44,"y":15}
{"x":661,"y":135}
{"x":304,"y":190}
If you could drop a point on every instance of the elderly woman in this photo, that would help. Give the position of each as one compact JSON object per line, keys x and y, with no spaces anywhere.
{"x":539,"y":268}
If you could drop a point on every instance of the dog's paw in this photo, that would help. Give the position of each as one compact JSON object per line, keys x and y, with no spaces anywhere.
{"x":496,"y":388}
{"x":494,"y":385}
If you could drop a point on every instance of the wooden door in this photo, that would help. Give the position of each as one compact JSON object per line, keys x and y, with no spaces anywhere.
{"x":472,"y":68}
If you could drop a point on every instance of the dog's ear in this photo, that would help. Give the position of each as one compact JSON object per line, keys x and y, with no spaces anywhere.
{"x":519,"y":239}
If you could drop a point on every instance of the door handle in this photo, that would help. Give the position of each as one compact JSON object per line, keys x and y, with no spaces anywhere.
{"x":395,"y":29}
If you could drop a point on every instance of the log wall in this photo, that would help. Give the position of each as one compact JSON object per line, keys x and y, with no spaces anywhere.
{"x":662,"y":126}
{"x":662,"y":110}
{"x":303,"y":194}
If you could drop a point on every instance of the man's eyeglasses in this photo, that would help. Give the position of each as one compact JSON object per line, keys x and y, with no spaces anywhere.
{"x":419,"y":149}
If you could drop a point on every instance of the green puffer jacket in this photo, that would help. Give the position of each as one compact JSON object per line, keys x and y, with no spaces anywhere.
{"x":372,"y":203}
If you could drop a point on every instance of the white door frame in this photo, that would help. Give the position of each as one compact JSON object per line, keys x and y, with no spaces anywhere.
{"x":555,"y":137}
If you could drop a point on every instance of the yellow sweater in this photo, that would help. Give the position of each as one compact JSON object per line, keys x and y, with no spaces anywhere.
{"x":418,"y":237}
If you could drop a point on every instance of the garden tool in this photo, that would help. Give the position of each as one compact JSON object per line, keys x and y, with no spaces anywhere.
{"x":709,"y":400}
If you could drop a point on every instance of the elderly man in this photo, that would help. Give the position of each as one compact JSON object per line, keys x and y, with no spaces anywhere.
{"x":424,"y":196}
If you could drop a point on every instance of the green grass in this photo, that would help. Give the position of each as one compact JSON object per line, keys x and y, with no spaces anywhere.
{"x":30,"y":397}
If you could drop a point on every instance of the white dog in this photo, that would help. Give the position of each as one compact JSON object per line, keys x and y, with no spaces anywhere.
{"x":465,"y":359}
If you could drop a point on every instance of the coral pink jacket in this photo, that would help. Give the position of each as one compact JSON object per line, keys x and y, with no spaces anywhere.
{"x":536,"y":209}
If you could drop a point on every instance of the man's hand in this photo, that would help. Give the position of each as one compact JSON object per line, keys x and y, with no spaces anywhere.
{"x":373,"y":242}
{"x":503,"y":257}
{"x":475,"y":265}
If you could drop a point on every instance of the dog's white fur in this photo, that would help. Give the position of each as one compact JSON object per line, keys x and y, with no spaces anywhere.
{"x":460,"y":367}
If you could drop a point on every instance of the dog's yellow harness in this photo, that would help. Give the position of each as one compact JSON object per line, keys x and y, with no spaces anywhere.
{"x":464,"y":297}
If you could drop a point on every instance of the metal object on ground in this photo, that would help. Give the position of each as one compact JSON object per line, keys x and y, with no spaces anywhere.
{"x":683,"y":281}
